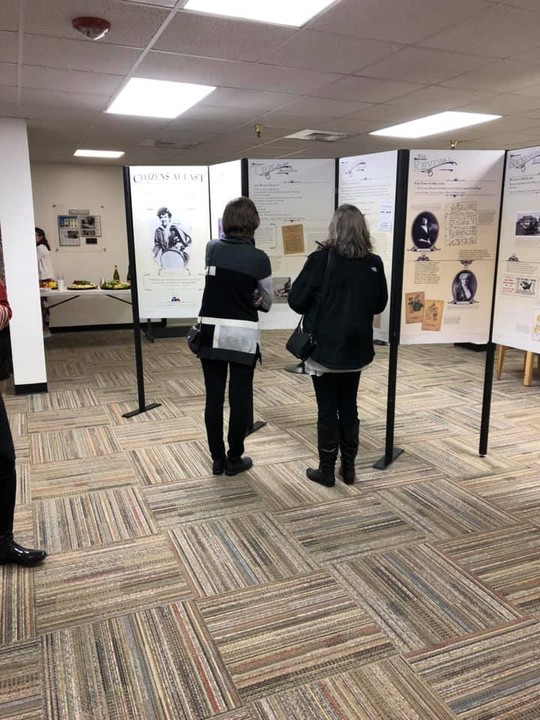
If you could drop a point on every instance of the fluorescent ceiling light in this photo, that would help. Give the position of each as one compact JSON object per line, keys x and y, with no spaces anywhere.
{"x":99,"y":153}
{"x":157,"y":98}
{"x":433,"y":124}
{"x":280,"y":12}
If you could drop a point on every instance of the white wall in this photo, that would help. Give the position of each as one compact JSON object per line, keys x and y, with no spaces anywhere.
{"x":19,"y":245}
{"x":60,"y":187}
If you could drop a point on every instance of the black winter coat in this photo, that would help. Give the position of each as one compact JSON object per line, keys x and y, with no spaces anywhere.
{"x":339,"y":311}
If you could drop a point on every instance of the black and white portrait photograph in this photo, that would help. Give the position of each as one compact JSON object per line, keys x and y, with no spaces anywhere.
{"x":172,"y":241}
{"x":425,"y":231}
{"x":464,"y":287}
{"x":528,"y":223}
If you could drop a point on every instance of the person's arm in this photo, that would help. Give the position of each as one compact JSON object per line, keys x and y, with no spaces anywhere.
{"x":383,"y":287}
{"x":304,"y":289}
{"x":5,"y":308}
{"x":265,"y":287}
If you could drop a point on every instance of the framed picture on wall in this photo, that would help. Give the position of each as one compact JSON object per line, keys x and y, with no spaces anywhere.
{"x":90,"y":225}
{"x":68,"y":230}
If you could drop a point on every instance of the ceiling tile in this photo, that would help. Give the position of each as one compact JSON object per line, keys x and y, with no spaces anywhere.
{"x":58,"y":101}
{"x":221,"y":114}
{"x":385,"y":114}
{"x":329,"y":52}
{"x":69,"y":80}
{"x":8,"y":74}
{"x":131,"y":25}
{"x":9,"y":16}
{"x":505,"y":104}
{"x":496,"y":31}
{"x":260,"y":101}
{"x":423,"y":65}
{"x":82,"y":54}
{"x":8,"y":47}
{"x":226,"y":73}
{"x":214,"y":37}
{"x":401,"y":21}
{"x":323,"y":107}
{"x":438,"y":98}
{"x":500,"y":76}
{"x":365,"y":89}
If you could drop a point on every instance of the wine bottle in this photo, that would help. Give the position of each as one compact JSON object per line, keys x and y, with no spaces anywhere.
{"x":128,"y":276}
{"x":116,"y":274}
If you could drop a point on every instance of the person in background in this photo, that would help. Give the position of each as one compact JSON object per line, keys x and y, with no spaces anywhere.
{"x":10,"y":551}
{"x":46,"y":273}
{"x":238,"y":285}
{"x":339,"y":290}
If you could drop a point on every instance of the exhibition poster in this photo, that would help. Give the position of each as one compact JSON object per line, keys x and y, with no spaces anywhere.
{"x":369,"y":182}
{"x":171,"y":224}
{"x":225,"y":185}
{"x":295,"y":200}
{"x":450,"y":245}
{"x":517,"y":303}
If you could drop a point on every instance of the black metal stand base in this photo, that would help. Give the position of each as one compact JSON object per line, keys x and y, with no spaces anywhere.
{"x":257,"y":425}
{"x":297,"y":368}
{"x":132,"y":413}
{"x":383,"y":463}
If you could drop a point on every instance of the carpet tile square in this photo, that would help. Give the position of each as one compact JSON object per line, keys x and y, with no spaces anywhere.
{"x":442,"y":509}
{"x":237,"y":552}
{"x":493,"y":675}
{"x":335,"y":531}
{"x":42,"y":422}
{"x":507,"y":561}
{"x":20,"y":681}
{"x":17,"y":616}
{"x":175,"y":504}
{"x":155,"y":663}
{"x":89,"y":585}
{"x":93,"y":519}
{"x":385,"y":690}
{"x":149,"y":434}
{"x":70,"y":477}
{"x":171,"y":463}
{"x":516,"y":492}
{"x":75,"y":444}
{"x":276,"y":636}
{"x":419,"y":598}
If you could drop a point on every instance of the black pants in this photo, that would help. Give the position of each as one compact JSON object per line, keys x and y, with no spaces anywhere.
{"x":240,"y":404}
{"x":8,"y":477}
{"x":336,"y":399}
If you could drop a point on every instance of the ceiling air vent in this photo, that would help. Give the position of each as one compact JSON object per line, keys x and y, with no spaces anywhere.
{"x":319,"y":135}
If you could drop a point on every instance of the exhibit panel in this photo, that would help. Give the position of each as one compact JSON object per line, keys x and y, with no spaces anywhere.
{"x":453,"y":205}
{"x":295,"y":200}
{"x":517,"y":303}
{"x":225,"y":184}
{"x":171,"y":227}
{"x":369,"y":182}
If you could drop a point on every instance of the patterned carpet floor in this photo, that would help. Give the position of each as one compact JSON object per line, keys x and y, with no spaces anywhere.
{"x":171,"y":594}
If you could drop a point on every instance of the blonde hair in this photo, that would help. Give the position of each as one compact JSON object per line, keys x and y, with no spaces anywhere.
{"x":348,"y":233}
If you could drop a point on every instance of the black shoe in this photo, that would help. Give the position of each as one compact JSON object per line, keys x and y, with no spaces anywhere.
{"x":323,"y":478}
{"x":218,"y":466}
{"x":347,"y":474}
{"x":234,"y":467}
{"x":12,"y":552}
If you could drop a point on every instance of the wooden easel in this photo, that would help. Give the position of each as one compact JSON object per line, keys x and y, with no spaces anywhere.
{"x":528,"y":364}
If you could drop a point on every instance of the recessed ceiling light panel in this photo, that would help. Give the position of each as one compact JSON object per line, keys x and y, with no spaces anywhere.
{"x":280,"y":12}
{"x":434,"y":124}
{"x":111,"y":154}
{"x":157,"y":98}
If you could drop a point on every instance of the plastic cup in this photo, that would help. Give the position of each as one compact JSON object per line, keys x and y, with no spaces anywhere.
{"x":61,"y":284}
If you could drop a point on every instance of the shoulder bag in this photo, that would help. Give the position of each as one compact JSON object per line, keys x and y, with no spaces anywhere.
{"x":193,"y":336}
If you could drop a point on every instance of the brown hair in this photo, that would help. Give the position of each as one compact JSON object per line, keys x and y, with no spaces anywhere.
{"x":240,"y":219}
{"x":348,"y":233}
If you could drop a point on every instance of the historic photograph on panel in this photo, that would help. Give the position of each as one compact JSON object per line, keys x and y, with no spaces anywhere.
{"x":528,"y":223}
{"x":425,"y":231}
{"x":464,"y":287}
{"x":171,"y":241}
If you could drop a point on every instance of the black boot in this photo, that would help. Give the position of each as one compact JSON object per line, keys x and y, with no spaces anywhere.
{"x":12,"y":552}
{"x":327,"y":443}
{"x":348,"y":444}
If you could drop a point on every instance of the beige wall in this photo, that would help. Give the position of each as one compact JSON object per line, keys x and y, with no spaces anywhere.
{"x":57,"y":188}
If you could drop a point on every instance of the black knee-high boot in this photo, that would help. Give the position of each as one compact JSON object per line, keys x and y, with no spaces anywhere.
{"x":348,"y":445}
{"x":327,"y":443}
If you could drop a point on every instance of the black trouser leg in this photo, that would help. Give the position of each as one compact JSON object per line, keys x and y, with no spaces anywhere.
{"x":241,"y":407}
{"x":215,"y":379}
{"x":8,"y":477}
{"x":327,"y":420}
{"x":348,"y":416}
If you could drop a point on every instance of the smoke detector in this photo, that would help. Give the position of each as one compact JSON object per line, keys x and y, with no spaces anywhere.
{"x":91,"y":27}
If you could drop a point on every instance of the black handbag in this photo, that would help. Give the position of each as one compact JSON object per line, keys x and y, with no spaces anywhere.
{"x":194,"y":338}
{"x":301,"y":343}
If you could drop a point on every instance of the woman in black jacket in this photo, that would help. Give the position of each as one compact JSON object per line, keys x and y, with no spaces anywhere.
{"x":339,"y":290}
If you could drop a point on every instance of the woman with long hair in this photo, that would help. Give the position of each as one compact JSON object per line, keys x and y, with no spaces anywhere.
{"x":238,"y":285}
{"x":341,"y":287}
{"x":46,"y":272}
